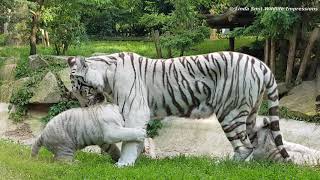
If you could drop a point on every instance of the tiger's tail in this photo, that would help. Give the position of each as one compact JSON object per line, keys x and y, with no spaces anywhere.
{"x":273,"y":105}
{"x":36,"y":146}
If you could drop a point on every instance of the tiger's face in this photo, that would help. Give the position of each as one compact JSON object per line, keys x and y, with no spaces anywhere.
{"x":85,"y":92}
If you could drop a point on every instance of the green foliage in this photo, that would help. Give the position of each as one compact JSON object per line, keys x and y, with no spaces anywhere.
{"x":65,"y":27}
{"x":20,"y":98}
{"x":184,"y":39}
{"x":277,"y":23}
{"x":3,"y":38}
{"x":286,"y":113}
{"x":184,"y":27}
{"x":16,"y":13}
{"x":255,"y":49}
{"x":153,"y":127}
{"x":58,"y":108}
{"x":15,"y":163}
{"x":154,"y":21}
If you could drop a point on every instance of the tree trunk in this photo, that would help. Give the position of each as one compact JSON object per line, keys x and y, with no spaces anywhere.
{"x":156,"y":40}
{"x":57,"y":48}
{"x":34,"y":27}
{"x":267,"y":51}
{"x":5,"y":28}
{"x":231,"y":42}
{"x":291,"y":56}
{"x":181,"y":51}
{"x":313,"y":37}
{"x":65,"y":48}
{"x":46,"y":38}
{"x":318,"y":88}
{"x":273,"y":55}
{"x":170,"y":53}
{"x":33,"y":35}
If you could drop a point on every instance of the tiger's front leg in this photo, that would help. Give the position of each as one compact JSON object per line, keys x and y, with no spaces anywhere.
{"x":130,"y":151}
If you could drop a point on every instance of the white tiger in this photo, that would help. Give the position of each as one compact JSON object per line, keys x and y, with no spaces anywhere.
{"x":229,"y":84}
{"x":266,"y":149}
{"x":77,"y":128}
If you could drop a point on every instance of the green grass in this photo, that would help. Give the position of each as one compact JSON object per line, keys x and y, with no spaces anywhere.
{"x":15,"y":163}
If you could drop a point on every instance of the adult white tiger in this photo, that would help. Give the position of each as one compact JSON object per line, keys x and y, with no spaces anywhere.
{"x":229,"y":84}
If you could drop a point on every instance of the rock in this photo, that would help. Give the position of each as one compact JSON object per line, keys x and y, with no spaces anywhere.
{"x":7,"y":70}
{"x":8,"y":87}
{"x":48,"y":91}
{"x":301,"y":98}
{"x":35,"y":62}
{"x":282,"y":89}
{"x":39,"y":61}
{"x":64,"y":76}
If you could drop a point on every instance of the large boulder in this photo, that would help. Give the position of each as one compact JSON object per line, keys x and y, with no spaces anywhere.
{"x":40,"y":61}
{"x":47,"y":91}
{"x":301,"y":98}
{"x":282,"y":89}
{"x":64,"y":76}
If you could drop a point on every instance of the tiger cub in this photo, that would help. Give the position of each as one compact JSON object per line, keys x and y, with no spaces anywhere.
{"x":77,"y":128}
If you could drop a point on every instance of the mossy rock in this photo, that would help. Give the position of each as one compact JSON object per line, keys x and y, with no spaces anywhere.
{"x":47,"y":91}
{"x":7,"y":68}
{"x":64,"y":76}
{"x":9,"y":87}
{"x":42,"y":61}
{"x":301,"y":99}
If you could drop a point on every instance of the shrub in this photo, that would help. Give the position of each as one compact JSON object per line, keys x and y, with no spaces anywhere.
{"x":153,"y":127}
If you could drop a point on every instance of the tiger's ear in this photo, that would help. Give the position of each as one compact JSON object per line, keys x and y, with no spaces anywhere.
{"x":82,"y":62}
{"x":71,"y":61}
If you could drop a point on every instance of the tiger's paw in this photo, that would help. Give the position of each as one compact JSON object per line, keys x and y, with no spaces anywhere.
{"x":141,"y":134}
{"x":124,"y":164}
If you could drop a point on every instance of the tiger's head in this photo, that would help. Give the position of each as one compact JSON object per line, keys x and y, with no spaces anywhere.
{"x":86,"y":83}
{"x":265,"y":146}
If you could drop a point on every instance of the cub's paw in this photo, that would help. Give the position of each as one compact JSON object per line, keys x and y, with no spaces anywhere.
{"x":141,"y":134}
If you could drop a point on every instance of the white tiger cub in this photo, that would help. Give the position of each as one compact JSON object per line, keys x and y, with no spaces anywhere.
{"x":266,"y":149}
{"x":77,"y":128}
{"x":229,"y":84}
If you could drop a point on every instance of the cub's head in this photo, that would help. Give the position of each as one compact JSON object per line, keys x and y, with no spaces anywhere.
{"x":87,"y":84}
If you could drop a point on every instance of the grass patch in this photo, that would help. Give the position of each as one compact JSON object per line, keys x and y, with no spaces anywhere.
{"x":15,"y":163}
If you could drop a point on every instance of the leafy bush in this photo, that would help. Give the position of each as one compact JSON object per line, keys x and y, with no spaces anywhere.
{"x":255,"y":49}
{"x":184,"y":39}
{"x":20,"y":99}
{"x":58,"y":108}
{"x":3,"y":38}
{"x":153,"y":127}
